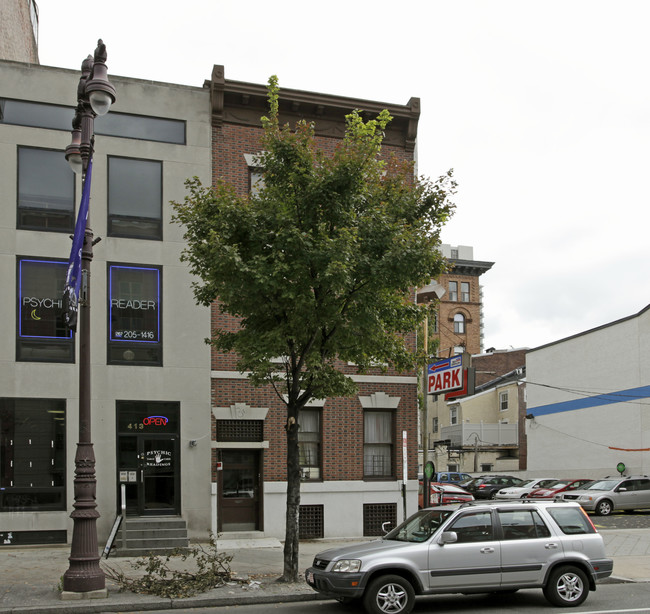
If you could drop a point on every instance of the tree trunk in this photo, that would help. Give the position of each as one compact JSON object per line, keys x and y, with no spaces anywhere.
{"x":291,"y":541}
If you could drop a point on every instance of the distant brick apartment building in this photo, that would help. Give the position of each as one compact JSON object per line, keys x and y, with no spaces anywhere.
{"x":459,"y":324}
{"x":351,"y":448}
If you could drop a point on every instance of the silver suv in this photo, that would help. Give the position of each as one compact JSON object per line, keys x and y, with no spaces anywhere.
{"x":612,"y":493}
{"x":475,"y":547}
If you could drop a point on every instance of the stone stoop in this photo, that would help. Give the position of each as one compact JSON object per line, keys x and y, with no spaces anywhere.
{"x":150,"y":535}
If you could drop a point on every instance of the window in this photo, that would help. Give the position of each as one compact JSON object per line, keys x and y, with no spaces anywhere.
{"x":435,"y":425}
{"x":124,"y":125}
{"x":487,"y":467}
{"x":572,"y":520}
{"x":459,"y":324}
{"x":503,"y":400}
{"x":476,"y":527}
{"x":32,"y":454}
{"x":41,"y":333}
{"x":464,"y":291}
{"x":453,"y":468}
{"x":453,"y":291}
{"x":134,"y":198}
{"x":454,"y":254}
{"x":309,"y":439}
{"x":453,"y":415}
{"x":522,"y":524}
{"x":45,"y":190}
{"x":134,"y":315}
{"x":378,"y":444}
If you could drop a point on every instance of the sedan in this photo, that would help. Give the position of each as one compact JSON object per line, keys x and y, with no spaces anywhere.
{"x":555,"y":489}
{"x":520,"y":491}
{"x":445,"y":494}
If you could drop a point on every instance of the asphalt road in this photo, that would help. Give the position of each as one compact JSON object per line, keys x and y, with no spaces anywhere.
{"x":608,"y":599}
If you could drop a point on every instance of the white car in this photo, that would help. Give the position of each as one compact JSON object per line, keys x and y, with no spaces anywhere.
{"x":519,"y":492}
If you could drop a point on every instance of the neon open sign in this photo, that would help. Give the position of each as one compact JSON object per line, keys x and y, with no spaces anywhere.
{"x":155,"y":421}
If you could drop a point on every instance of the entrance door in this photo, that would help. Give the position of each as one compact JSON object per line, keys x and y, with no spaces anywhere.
{"x":239,"y":491}
{"x":148,"y":458}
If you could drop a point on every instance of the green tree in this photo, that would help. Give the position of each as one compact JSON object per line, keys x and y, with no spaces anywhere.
{"x":319,"y":266}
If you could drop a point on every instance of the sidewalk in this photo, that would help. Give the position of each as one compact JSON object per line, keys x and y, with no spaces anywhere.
{"x":30,"y":576}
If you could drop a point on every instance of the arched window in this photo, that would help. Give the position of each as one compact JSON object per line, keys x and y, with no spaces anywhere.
{"x":459,"y":324}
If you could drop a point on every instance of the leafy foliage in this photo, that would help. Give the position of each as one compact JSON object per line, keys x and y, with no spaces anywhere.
{"x":319,"y":264}
{"x":208,"y":568}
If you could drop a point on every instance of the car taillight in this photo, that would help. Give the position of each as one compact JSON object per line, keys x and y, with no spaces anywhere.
{"x":482,"y":486}
{"x":593,"y":526}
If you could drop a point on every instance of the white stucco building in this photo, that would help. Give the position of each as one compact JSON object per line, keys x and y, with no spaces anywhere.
{"x":588,"y":403}
{"x":150,"y":367}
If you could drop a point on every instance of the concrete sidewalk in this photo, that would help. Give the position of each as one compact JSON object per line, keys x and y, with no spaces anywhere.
{"x":30,"y":576}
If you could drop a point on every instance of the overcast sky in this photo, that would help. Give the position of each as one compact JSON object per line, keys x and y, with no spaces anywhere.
{"x":541,"y":108}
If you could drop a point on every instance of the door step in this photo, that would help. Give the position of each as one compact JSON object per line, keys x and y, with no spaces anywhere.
{"x":157,"y":535}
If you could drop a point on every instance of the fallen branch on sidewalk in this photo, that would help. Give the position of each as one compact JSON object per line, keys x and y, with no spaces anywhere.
{"x":203,"y":569}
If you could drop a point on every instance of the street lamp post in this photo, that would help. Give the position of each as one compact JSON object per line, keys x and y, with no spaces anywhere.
{"x":95,"y":94}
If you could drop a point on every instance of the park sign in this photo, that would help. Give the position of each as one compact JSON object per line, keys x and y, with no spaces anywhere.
{"x":445,"y":375}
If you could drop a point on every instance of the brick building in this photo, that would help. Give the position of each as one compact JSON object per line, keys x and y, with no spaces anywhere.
{"x":351,"y":448}
{"x":459,"y":325}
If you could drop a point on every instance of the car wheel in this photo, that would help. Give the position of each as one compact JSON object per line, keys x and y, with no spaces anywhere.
{"x":604,"y":508}
{"x":389,"y":595}
{"x":567,"y":586}
{"x":493,"y":495}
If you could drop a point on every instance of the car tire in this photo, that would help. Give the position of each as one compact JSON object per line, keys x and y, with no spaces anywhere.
{"x":493,"y":495}
{"x":567,"y":586}
{"x":389,"y":594}
{"x":604,"y":508}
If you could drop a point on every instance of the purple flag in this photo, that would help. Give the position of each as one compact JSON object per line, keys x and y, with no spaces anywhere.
{"x":73,"y":276}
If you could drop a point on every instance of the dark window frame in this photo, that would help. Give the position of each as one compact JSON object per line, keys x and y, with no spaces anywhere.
{"x":134,"y":345}
{"x":390,"y":475}
{"x":24,"y":342}
{"x":113,"y":219}
{"x":318,"y":464}
{"x":8,"y":463}
{"x":65,"y":123}
{"x":41,"y":212}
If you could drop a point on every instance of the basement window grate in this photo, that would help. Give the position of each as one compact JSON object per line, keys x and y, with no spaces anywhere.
{"x":376,"y":514}
{"x":310,"y":525}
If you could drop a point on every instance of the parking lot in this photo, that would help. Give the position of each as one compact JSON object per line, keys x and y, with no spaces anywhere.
{"x":622,"y":520}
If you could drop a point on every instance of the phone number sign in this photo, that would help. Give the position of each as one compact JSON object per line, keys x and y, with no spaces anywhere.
{"x":445,"y":375}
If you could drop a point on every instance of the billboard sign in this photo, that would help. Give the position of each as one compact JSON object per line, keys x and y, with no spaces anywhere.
{"x":445,"y":375}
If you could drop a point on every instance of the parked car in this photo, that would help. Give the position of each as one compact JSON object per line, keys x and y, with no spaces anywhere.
{"x":474,"y":547}
{"x":562,"y":486}
{"x":612,"y":493}
{"x":486,"y":486}
{"x":452,"y":477}
{"x":521,"y":490}
{"x":444,"y":494}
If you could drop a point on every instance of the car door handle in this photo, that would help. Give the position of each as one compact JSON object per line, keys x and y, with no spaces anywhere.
{"x":550,"y":546}
{"x":487,"y":550}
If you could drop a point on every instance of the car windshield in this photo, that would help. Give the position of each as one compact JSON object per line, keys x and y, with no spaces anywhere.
{"x":602,"y":485}
{"x":420,"y":526}
{"x":526,"y":483}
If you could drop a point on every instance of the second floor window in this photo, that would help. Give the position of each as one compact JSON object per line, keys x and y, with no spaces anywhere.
{"x":459,"y":324}
{"x":503,"y":400}
{"x":453,"y":291}
{"x":45,"y":190}
{"x":435,"y":425}
{"x":464,"y":291}
{"x":453,"y":415}
{"x":134,"y":198}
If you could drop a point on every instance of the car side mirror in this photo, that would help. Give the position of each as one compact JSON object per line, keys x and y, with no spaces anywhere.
{"x":621,"y":489}
{"x":448,"y":537}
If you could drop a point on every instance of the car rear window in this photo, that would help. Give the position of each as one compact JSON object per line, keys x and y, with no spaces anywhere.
{"x":572,"y":521}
